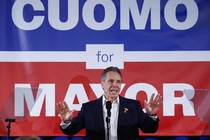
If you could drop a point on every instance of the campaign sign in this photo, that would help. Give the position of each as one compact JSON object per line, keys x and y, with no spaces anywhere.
{"x":55,"y":50}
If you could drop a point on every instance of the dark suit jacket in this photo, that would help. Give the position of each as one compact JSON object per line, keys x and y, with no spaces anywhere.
{"x":91,"y":118}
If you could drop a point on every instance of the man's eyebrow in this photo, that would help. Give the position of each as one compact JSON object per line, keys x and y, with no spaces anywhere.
{"x":115,"y":80}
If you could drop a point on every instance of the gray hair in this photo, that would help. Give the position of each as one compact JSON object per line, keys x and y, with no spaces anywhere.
{"x":105,"y":71}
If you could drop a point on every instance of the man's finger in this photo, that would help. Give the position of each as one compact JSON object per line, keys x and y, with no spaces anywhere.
{"x":66,"y":105}
{"x":152,"y":97}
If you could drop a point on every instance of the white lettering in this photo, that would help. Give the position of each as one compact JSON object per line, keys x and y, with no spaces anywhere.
{"x":129,"y":10}
{"x":135,"y":88}
{"x":109,"y":14}
{"x":44,"y":91}
{"x":47,"y":92}
{"x":54,"y":14}
{"x":191,"y":17}
{"x":76,"y":90}
{"x":170,"y":100}
{"x":18,"y":18}
{"x":131,"y":7}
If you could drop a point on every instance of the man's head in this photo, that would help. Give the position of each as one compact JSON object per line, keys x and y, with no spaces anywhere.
{"x":111,"y":79}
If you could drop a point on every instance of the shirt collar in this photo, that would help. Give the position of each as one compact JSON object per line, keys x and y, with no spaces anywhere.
{"x":104,"y":100}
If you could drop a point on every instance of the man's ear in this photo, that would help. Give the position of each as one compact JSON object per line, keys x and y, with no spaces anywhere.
{"x":102,"y":85}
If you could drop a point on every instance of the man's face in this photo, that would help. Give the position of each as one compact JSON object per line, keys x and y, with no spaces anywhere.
{"x":111,"y":85}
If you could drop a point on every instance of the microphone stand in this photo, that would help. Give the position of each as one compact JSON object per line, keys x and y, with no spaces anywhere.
{"x":108,"y":107}
{"x":9,"y":120}
{"x":108,"y":125}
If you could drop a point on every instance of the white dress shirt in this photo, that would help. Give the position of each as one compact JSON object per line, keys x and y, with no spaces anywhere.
{"x":113,"y":119}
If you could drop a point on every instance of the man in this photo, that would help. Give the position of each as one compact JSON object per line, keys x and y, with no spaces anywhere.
{"x":124,"y":119}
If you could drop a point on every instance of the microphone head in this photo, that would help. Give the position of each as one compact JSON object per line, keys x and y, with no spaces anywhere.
{"x":10,"y":120}
{"x":108,"y":105}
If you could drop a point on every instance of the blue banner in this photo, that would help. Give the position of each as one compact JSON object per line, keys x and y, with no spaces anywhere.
{"x":68,"y":25}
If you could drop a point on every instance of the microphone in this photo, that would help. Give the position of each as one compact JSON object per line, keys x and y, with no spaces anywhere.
{"x":10,"y":120}
{"x":108,"y":107}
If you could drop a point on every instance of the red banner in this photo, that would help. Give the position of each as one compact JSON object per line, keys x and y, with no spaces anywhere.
{"x":29,"y":92}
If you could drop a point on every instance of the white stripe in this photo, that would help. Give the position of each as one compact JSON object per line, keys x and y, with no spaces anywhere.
{"x":80,"y":56}
{"x":167,"y":56}
{"x":42,"y":56}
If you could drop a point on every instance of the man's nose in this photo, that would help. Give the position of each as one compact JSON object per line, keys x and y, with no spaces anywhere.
{"x":115,"y":83}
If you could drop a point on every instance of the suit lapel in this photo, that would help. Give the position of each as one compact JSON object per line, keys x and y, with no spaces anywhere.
{"x":121,"y":108}
{"x":99,"y":113}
